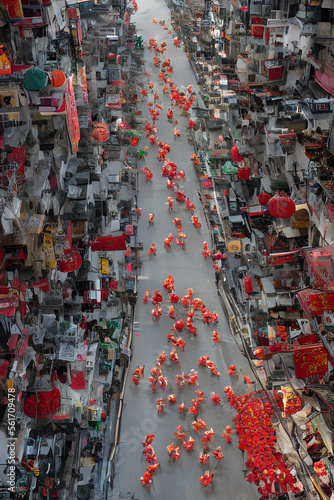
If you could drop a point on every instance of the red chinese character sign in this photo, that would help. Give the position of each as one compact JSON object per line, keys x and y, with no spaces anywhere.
{"x":309,"y":362}
{"x":314,"y":302}
{"x":72,"y":116}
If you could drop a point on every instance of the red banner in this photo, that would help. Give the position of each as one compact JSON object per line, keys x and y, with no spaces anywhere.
{"x":314,"y":302}
{"x":72,"y":115}
{"x":310,"y":362}
{"x":14,"y":8}
{"x":17,"y":158}
{"x":108,"y":243}
{"x":70,"y":262}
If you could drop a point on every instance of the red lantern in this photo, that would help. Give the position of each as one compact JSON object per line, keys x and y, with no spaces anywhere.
{"x":281,"y":206}
{"x":264,"y":198}
{"x":58,"y":78}
{"x":248,"y":285}
{"x":220,"y":138}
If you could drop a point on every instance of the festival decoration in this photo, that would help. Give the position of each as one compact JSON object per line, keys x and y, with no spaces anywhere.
{"x":281,"y":206}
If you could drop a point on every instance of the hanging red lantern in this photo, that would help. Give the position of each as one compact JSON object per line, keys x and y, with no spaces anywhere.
{"x":281,"y":206}
{"x":248,"y":285}
{"x":264,"y":198}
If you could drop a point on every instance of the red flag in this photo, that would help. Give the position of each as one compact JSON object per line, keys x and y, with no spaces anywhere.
{"x":42,"y":284}
{"x":108,"y":243}
{"x":70,"y":262}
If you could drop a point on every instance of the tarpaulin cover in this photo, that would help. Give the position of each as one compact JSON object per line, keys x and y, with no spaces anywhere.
{"x":35,"y":79}
{"x":110,"y":243}
{"x":229,"y":168}
{"x":78,"y":381}
{"x":48,"y":404}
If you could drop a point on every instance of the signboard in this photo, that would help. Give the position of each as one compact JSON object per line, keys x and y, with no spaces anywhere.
{"x":72,"y":116}
{"x":104,"y":266}
{"x":48,"y":250}
{"x":281,"y":258}
{"x":299,"y":224}
{"x":221,"y":153}
{"x":14,"y":8}
{"x":83,"y":76}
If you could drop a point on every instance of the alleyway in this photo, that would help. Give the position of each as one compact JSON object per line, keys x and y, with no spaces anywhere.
{"x":178,"y":480}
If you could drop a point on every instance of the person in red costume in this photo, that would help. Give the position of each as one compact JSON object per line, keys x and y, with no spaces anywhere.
{"x":189,"y":444}
{"x":148,"y":440}
{"x":206,"y":478}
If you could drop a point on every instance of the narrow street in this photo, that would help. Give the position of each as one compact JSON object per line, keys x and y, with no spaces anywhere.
{"x":178,"y":480}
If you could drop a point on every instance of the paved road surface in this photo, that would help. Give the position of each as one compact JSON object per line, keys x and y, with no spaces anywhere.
{"x":176,"y":480}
